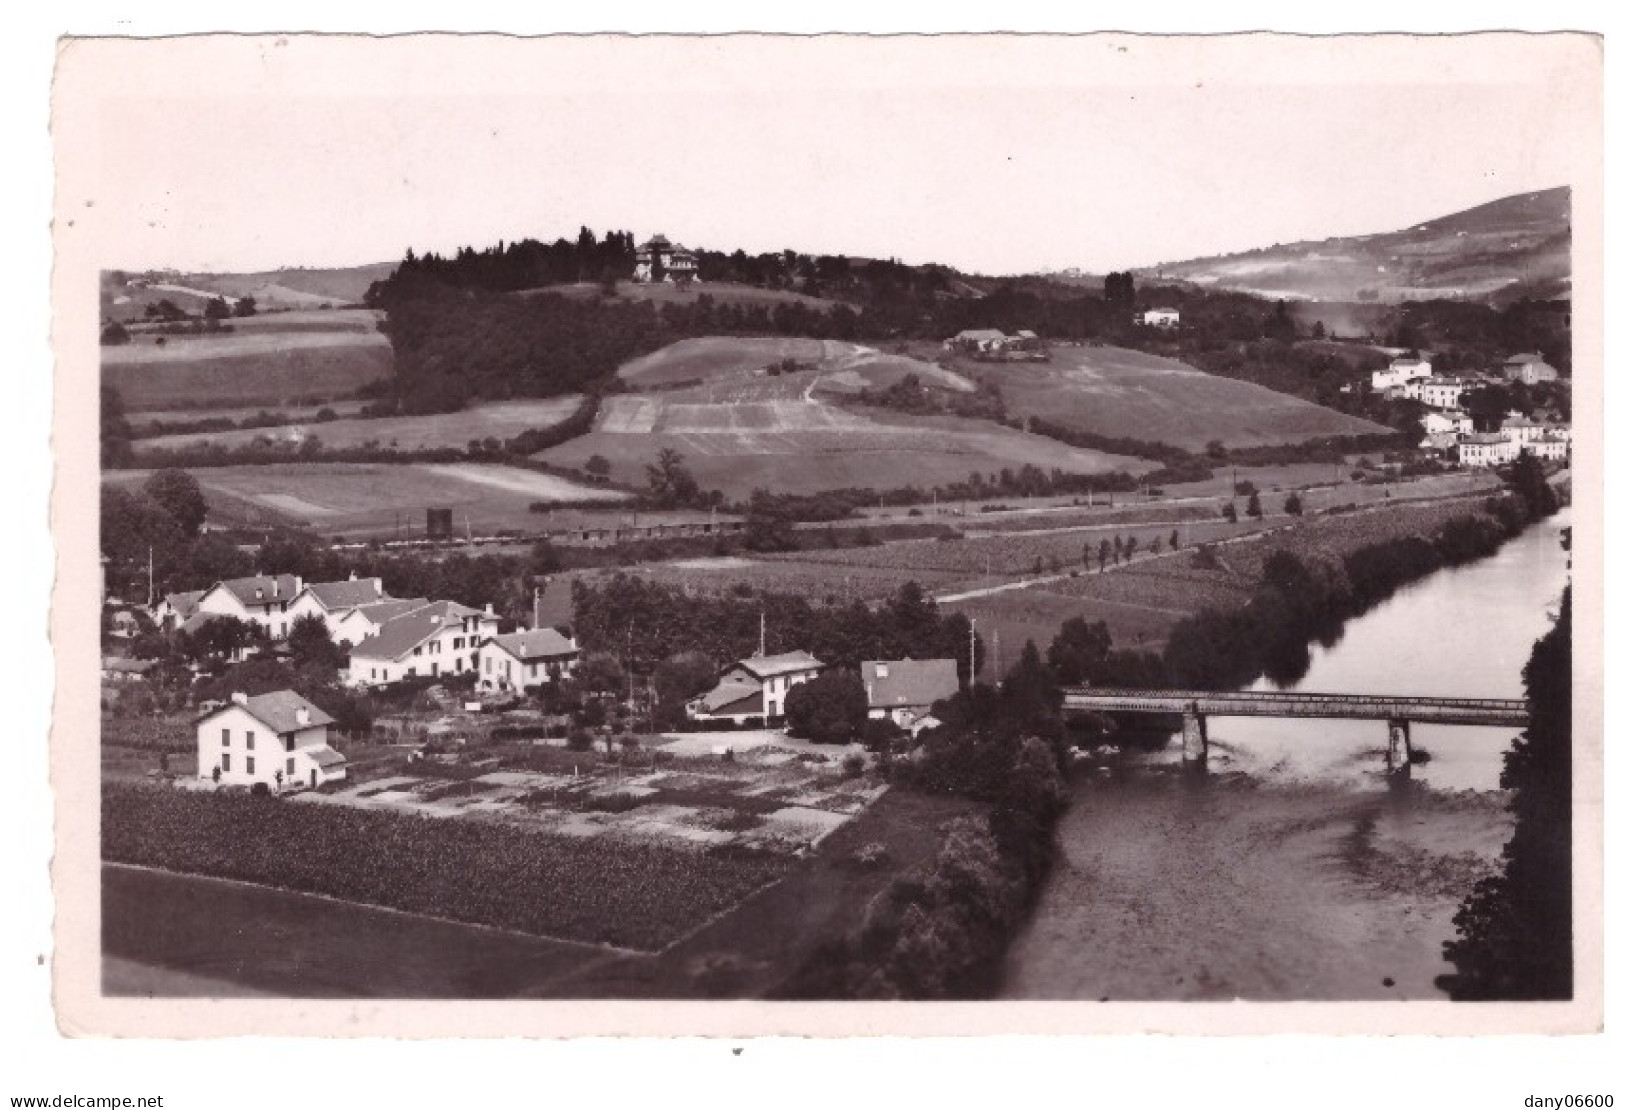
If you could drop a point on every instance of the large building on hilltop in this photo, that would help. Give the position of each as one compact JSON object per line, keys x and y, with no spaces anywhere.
{"x":660,"y":259}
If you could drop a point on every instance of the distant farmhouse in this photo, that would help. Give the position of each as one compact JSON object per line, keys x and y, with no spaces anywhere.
{"x":1159,"y":318}
{"x":277,"y":740}
{"x":904,"y":690}
{"x":754,"y":688}
{"x":992,"y":345}
{"x":973,"y":340}
{"x":1528,"y":369}
{"x":1401,"y":371}
{"x":661,"y":260}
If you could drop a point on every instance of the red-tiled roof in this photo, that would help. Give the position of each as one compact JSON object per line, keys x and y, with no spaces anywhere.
{"x":909,"y":682}
{"x":401,"y":634}
{"x":347,"y":594}
{"x":538,"y":643}
{"x":262,"y":588}
{"x":278,"y":710}
{"x":766,"y":666}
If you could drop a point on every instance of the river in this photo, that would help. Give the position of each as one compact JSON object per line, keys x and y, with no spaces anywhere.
{"x":1294,"y":869}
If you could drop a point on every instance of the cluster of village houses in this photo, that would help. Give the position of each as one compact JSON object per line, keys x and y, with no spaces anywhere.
{"x":1447,"y":428}
{"x":281,"y":740}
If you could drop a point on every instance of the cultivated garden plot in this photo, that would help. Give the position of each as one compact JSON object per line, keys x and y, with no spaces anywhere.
{"x":764,"y":797}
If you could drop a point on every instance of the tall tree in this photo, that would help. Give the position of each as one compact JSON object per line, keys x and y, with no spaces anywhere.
{"x":179,"y":495}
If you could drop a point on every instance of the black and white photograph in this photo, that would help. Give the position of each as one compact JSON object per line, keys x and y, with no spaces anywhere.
{"x":1108,"y":521}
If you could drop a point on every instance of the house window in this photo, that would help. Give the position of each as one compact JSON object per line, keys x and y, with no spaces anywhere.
{"x":251,"y":765}
{"x":225,"y":762}
{"x":288,"y":741}
{"x":418,"y":650}
{"x":375,"y":672}
{"x":225,"y":738}
{"x":250,"y":740}
{"x":290,"y":768}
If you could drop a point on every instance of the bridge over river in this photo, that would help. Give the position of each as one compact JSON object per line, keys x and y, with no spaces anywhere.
{"x":1196,"y":706}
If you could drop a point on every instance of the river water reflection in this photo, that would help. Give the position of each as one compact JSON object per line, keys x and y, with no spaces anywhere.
{"x":1292,"y":870}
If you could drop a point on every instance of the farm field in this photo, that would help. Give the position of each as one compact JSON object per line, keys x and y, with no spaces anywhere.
{"x":1116,"y":392}
{"x":818,"y":582}
{"x":361,"y":500}
{"x":808,"y":446}
{"x":360,"y":320}
{"x":246,"y":368}
{"x":271,"y":289}
{"x":501,"y":419}
{"x":840,"y":366}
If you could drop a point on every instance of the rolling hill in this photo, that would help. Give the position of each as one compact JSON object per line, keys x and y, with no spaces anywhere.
{"x":1112,"y":391}
{"x":1514,"y":247}
{"x":125,"y":295}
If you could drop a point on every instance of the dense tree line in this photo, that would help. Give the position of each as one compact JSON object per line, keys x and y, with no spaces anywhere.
{"x":942,"y":934}
{"x":1301,"y":599}
{"x":1515,"y":931}
{"x":645,"y":623}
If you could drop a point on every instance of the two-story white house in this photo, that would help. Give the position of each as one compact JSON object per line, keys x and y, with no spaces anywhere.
{"x":755,"y":687}
{"x":263,"y":600}
{"x":441,"y":638}
{"x":526,"y":659}
{"x":1487,"y":449}
{"x":1440,"y":393}
{"x":278,"y":739}
{"x":1399,"y":372}
{"x":1522,"y":430}
{"x":330,"y":600}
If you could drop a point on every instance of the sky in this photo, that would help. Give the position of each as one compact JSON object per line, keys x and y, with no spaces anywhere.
{"x":995,"y":155}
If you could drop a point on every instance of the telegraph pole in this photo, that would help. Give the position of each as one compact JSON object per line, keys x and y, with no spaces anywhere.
{"x":973,"y":651}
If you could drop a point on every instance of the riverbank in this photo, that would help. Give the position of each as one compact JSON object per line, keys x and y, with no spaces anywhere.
{"x":1295,"y":869}
{"x":1172,"y":888}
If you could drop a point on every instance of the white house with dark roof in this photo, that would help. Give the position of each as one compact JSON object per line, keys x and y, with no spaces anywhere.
{"x":526,"y":659}
{"x":977,"y":339}
{"x":1160,"y":317}
{"x":440,"y":638}
{"x":672,"y":261}
{"x":904,"y":690}
{"x":1487,"y":449}
{"x":176,"y":609}
{"x":263,"y":600}
{"x":1528,"y":369}
{"x":1401,"y":371}
{"x":278,"y":739}
{"x":1452,"y":422}
{"x":755,"y":687}
{"x":330,"y":600}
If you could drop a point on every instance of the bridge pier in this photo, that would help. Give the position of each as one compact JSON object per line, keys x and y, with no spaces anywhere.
{"x":1195,"y":736}
{"x":1399,"y":746}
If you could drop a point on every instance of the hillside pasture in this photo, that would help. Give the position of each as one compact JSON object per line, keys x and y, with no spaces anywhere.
{"x":808,"y":446}
{"x":842,"y":367}
{"x":498,"y":419}
{"x":142,"y":421}
{"x":1112,"y":391}
{"x":360,"y":320}
{"x":359,"y":501}
{"x":245,"y":368}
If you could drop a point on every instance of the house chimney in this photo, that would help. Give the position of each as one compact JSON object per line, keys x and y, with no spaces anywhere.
{"x":276,"y":587}
{"x":239,"y":697}
{"x":378,"y":584}
{"x":302,"y":715}
{"x":490,"y":610}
